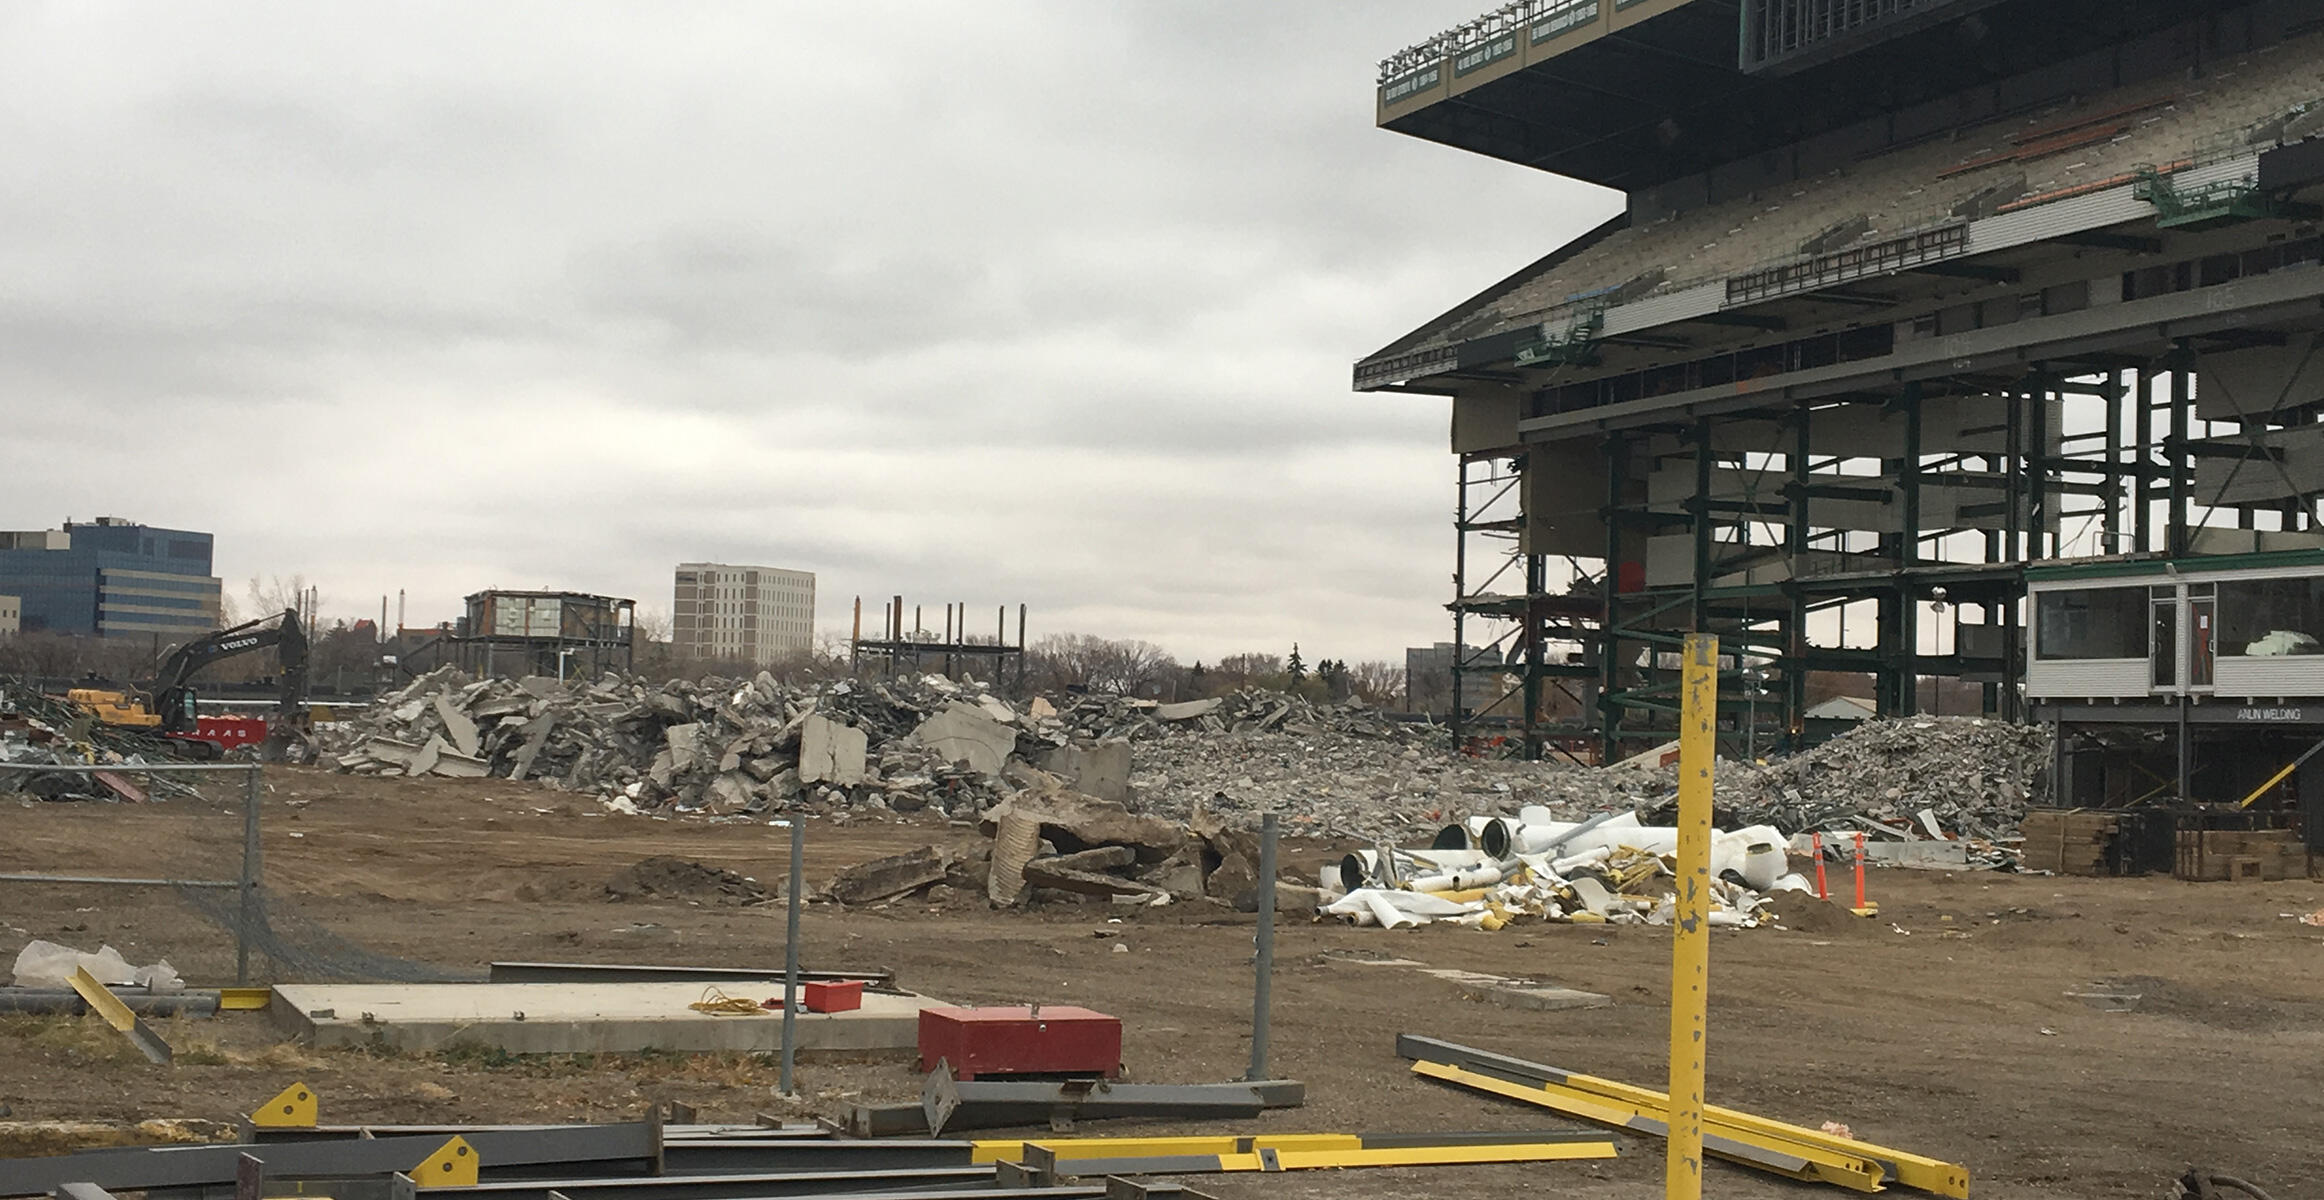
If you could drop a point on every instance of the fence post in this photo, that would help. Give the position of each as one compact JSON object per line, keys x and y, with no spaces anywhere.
{"x":791,"y":951}
{"x":1263,"y":985}
{"x":252,"y":871}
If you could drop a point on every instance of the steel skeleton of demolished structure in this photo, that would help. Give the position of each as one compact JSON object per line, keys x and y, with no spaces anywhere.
{"x":1936,"y":466}
{"x":916,"y":650}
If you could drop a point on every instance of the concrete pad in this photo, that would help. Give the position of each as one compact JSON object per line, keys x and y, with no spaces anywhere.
{"x":583,"y":1018}
{"x":1536,"y":997}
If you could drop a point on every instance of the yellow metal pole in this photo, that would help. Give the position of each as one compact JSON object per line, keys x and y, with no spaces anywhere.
{"x":1690,"y":946}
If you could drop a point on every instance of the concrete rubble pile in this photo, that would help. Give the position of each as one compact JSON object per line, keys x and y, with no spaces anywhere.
{"x":717,"y":747}
{"x":1925,"y":791}
{"x":1052,"y":844}
{"x":36,"y":730}
{"x":1332,"y":770}
{"x":916,"y":743}
{"x":1489,"y":873}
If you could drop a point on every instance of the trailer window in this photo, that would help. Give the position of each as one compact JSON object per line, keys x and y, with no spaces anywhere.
{"x":2267,"y":618}
{"x":2091,"y":623}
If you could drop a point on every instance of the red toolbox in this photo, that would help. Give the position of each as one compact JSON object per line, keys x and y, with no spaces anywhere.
{"x":1041,"y":1040}
{"x":831,"y":995}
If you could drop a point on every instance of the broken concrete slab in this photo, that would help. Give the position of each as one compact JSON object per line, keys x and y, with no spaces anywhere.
{"x":1078,"y":822}
{"x":1188,"y":710}
{"x":1042,"y":873}
{"x":831,"y":751}
{"x":454,"y":765}
{"x":1102,"y":858}
{"x":894,"y":875}
{"x":458,"y":729}
{"x":964,"y":733}
{"x":536,"y":735}
{"x":424,"y":762}
{"x":684,"y":745}
{"x":1100,"y":769}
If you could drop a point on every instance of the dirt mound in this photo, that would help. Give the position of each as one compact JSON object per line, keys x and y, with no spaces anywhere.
{"x":664,"y":878}
{"x":1801,"y":912}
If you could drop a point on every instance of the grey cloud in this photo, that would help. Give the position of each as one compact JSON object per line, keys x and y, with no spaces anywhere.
{"x":1043,"y":301}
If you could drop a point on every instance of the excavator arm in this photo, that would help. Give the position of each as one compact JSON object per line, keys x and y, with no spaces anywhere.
{"x":173,"y":693}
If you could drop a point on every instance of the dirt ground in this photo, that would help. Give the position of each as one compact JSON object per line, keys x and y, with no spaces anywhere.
{"x":1944,"y":1027}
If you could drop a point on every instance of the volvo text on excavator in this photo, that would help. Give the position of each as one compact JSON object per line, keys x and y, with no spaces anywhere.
{"x":170,"y":708}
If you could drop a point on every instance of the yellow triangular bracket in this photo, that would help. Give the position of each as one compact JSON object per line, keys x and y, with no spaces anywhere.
{"x":294,"y":1107}
{"x":453,"y":1164}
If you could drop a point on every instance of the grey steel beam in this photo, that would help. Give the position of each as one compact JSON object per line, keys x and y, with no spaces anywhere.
{"x":635,"y":1146}
{"x":727,"y":1157}
{"x":671,"y":1134}
{"x":1000,"y":1104}
{"x":733,"y":1187}
{"x":1003,"y":1192}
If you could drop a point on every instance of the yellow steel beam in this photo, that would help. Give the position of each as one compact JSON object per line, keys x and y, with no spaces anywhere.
{"x":294,"y":1107}
{"x":244,"y":999}
{"x":105,"y":1004}
{"x":1855,"y":1172}
{"x":1911,"y":1170}
{"x":1010,"y":1149}
{"x":1431,"y":1156}
{"x":1269,"y":1159}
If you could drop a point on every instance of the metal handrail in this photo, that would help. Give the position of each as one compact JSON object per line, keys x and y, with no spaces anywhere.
{"x":1469,"y":35}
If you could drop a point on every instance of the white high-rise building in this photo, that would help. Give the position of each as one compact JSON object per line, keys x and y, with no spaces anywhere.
{"x":742,"y":614}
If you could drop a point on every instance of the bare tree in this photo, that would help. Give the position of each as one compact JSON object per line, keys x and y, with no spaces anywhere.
{"x":1377,"y":683}
{"x":274,"y":593}
{"x":1122,"y":667}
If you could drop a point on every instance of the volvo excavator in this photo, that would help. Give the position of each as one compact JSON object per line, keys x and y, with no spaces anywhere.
{"x":168,"y":710}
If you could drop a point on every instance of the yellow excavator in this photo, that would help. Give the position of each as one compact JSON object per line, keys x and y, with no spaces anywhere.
{"x":169,"y":710}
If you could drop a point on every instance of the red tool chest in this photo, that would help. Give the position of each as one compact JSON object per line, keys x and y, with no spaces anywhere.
{"x":1040,"y":1040}
{"x":831,"y":995}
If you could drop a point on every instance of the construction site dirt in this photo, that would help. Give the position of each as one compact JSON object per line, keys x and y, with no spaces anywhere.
{"x":1968,"y":1021}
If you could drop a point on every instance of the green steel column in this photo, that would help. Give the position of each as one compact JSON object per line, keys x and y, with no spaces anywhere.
{"x":1795,"y":672}
{"x":1908,"y":558}
{"x":2176,"y":450}
{"x":1460,"y":593}
{"x":2110,"y":527}
{"x":1610,"y":638}
{"x":1699,"y":512}
{"x":2037,"y":476}
{"x":2142,"y":454}
{"x":1536,"y":582}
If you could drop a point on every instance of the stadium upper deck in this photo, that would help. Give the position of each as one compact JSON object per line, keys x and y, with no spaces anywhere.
{"x":1985,"y":179}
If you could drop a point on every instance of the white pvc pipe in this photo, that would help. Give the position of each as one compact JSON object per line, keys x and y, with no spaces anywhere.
{"x":1387,"y":914}
{"x":1456,"y":881}
{"x":1574,"y":862}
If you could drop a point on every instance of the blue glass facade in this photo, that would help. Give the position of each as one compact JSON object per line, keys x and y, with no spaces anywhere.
{"x":115,"y":578}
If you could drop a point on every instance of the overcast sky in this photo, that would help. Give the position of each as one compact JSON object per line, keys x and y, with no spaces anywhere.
{"x":993,"y":302}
